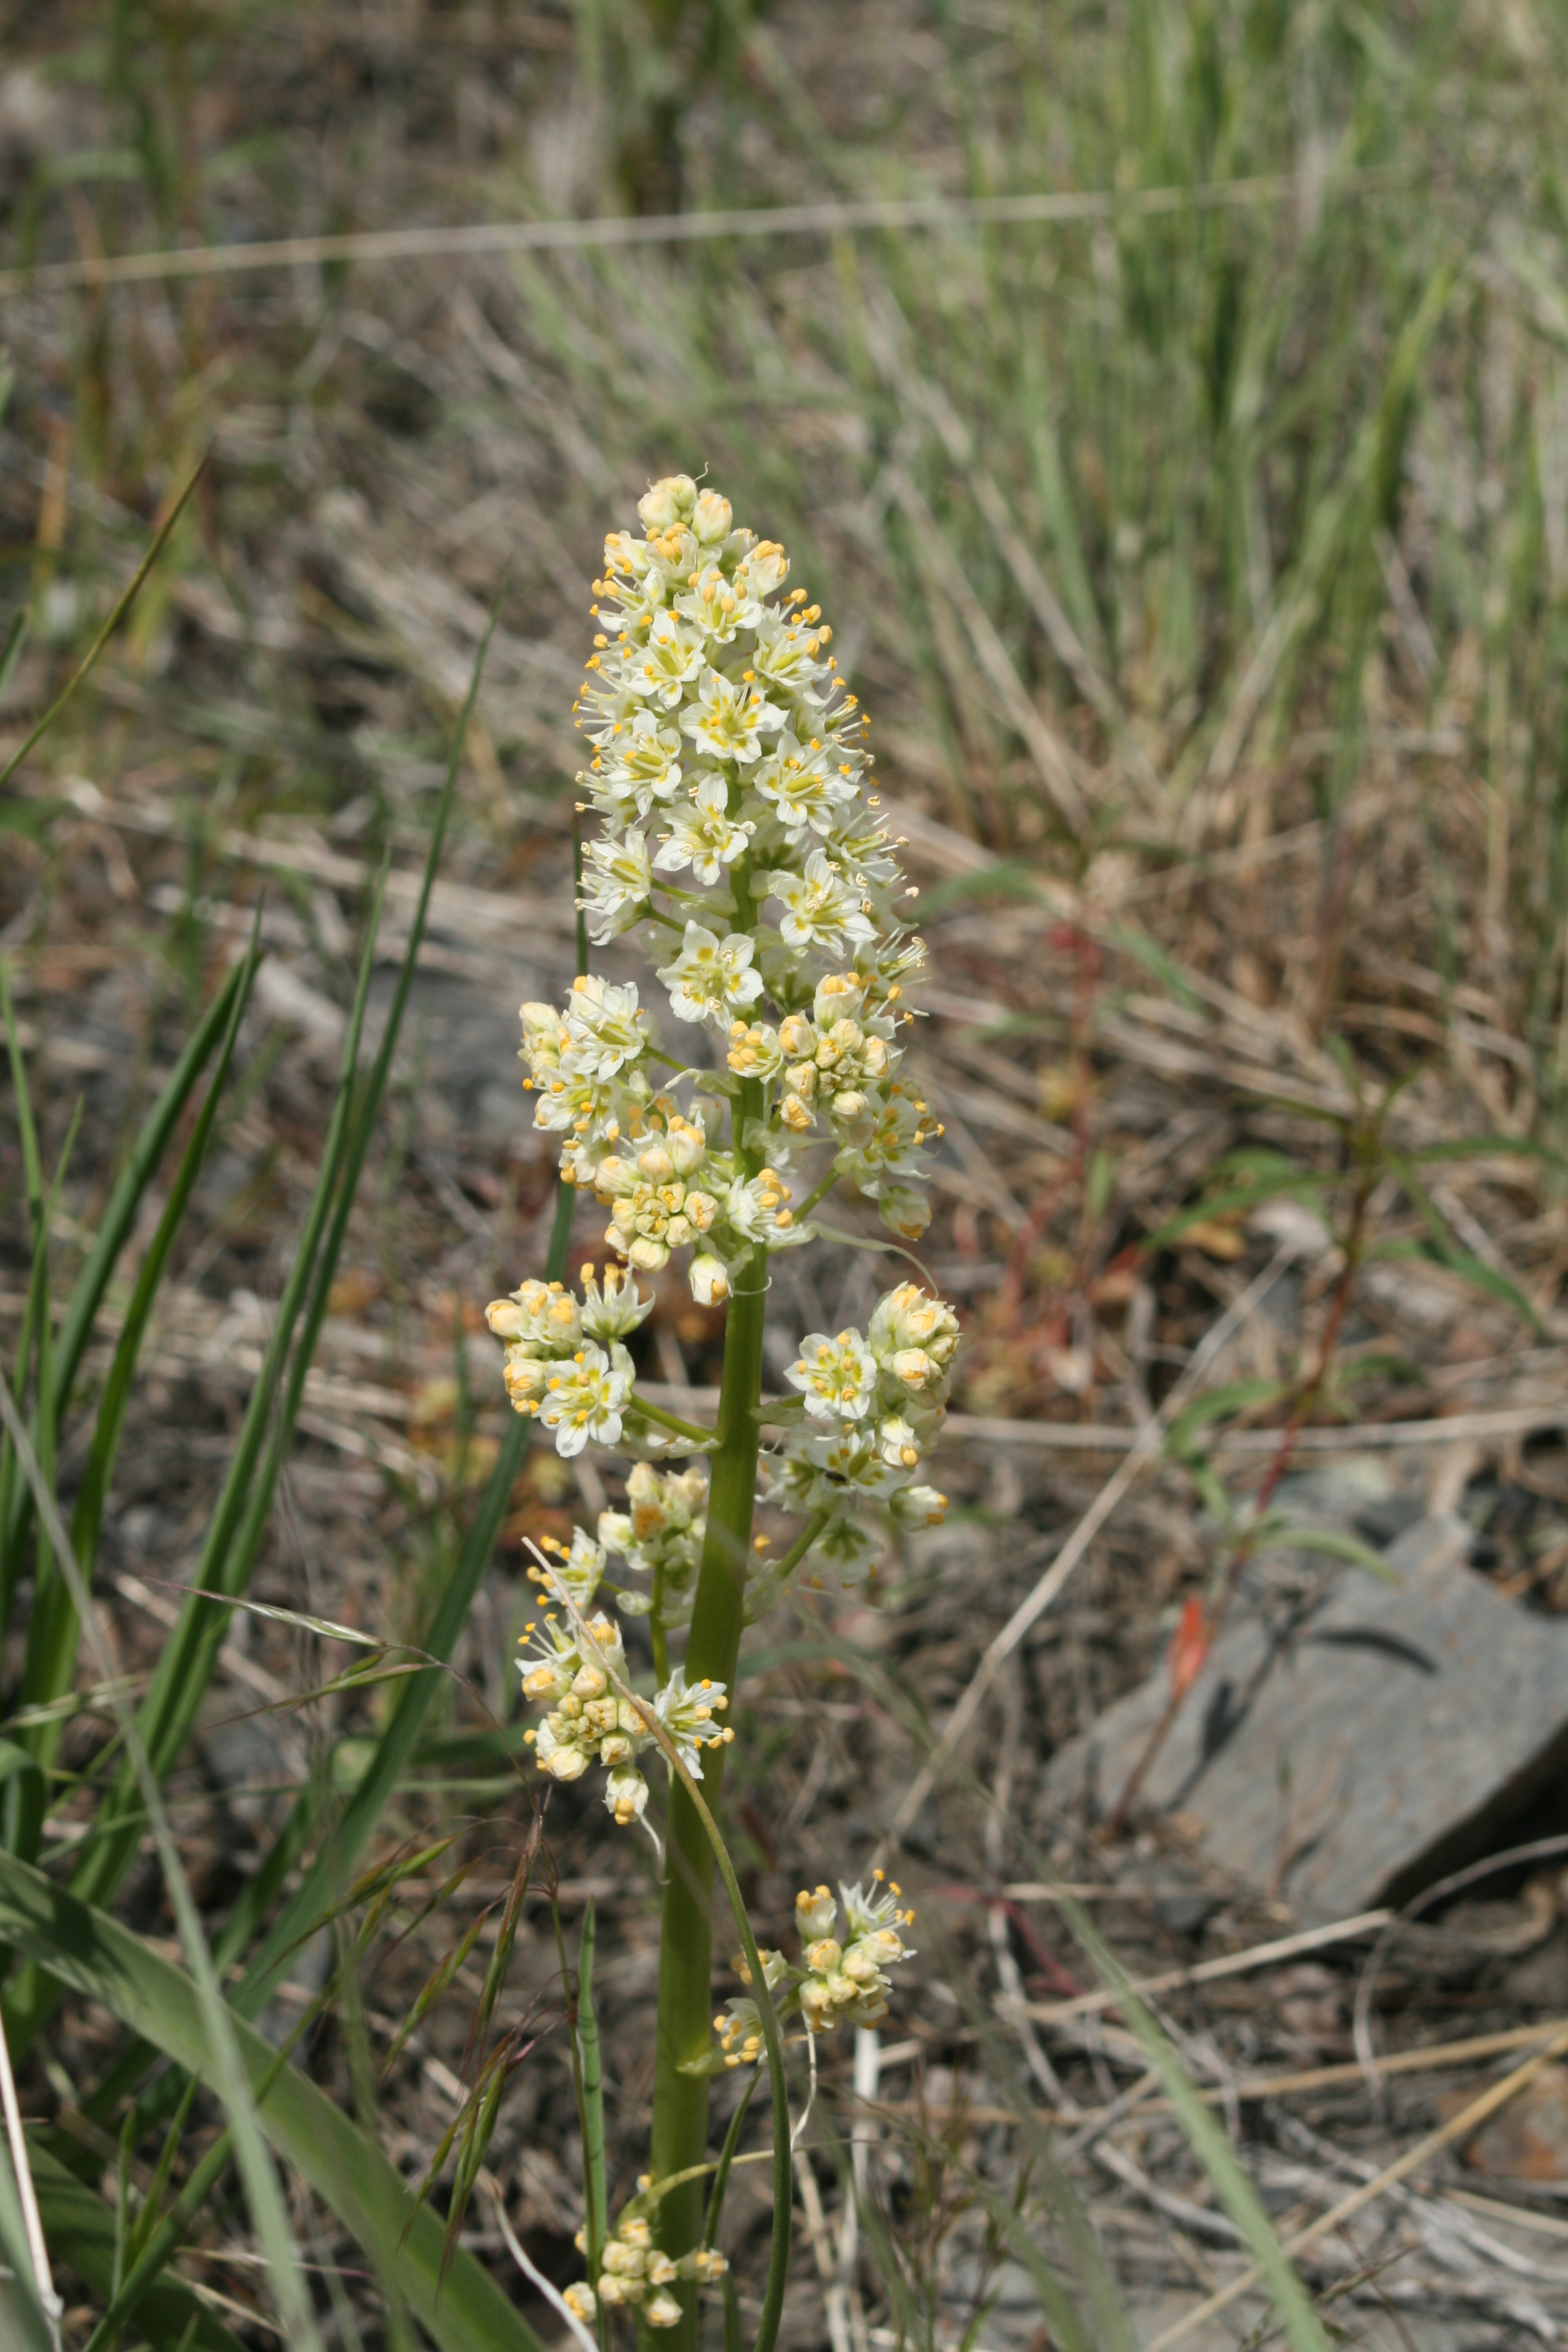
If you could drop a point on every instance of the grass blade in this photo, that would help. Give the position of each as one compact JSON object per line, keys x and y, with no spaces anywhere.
{"x":82,"y":2229}
{"x":52,"y":1634}
{"x":185,"y":1664}
{"x":105,"y":1962}
{"x":262,"y":2188}
{"x":17,"y":2295}
{"x":114,"y":1228}
{"x":122,"y":607}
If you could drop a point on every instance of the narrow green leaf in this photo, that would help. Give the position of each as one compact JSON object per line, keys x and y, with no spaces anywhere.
{"x":262,"y":2193}
{"x":105,"y":1962}
{"x":1302,"y":1185}
{"x":39,"y":2335}
{"x":1334,"y":1543}
{"x":234,"y":1532}
{"x":52,"y":1634}
{"x":123,"y":604}
{"x":115,"y":1225}
{"x":11,"y":652}
{"x":1218,"y":1405}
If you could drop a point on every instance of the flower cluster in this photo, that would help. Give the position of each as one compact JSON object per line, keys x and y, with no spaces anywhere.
{"x":579,"y":1672}
{"x":873,"y":1403}
{"x":729,"y":772}
{"x":841,"y":1976}
{"x":555,"y":1364}
{"x":568,"y":1363}
{"x":660,"y":1536}
{"x":635,"y":2271}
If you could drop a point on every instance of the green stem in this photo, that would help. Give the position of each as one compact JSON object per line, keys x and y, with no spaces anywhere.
{"x":684,"y":2030}
{"x":671,"y":1420}
{"x":820,"y":1194}
{"x":801,"y":1544}
{"x":726,"y":2162}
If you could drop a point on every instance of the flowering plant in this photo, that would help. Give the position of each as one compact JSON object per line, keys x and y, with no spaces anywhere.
{"x":729,"y":775}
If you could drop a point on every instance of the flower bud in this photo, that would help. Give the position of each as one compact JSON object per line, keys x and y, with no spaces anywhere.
{"x":815,"y":1915}
{"x":669,"y":503}
{"x":709,"y":1283}
{"x":625,"y":1794}
{"x":919,"y":1506}
{"x":684,"y":1144}
{"x":711,"y":517}
{"x":660,"y":2309}
{"x":905,"y":1212}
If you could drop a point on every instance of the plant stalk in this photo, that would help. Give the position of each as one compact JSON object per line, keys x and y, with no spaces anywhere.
{"x":684,"y":2031}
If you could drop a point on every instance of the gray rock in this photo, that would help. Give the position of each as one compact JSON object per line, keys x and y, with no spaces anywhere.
{"x":1347,"y":1754}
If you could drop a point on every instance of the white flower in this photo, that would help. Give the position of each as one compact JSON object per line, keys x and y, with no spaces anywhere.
{"x":876,"y":1915}
{"x":754,"y":1051}
{"x":848,"y":1463}
{"x":666,"y":661}
{"x":718,"y":606}
{"x":704,"y":835}
{"x":802,"y":787}
{"x":838,"y":1377}
{"x":740,"y":2032}
{"x":604,"y":1029}
{"x":580,"y":2301}
{"x":754,"y":1209}
{"x":616,"y":887}
{"x":785,"y":658}
{"x":617,"y":1311}
{"x":764,"y":569}
{"x":841,"y":996}
{"x":687,"y":1714}
{"x":822,"y":909}
{"x":540,"y":1316}
{"x":660,"y":2308}
{"x":728,"y":720}
{"x":639,"y":763}
{"x":711,"y":976}
{"x":709,"y":1283}
{"x":586,"y":1398}
{"x":886,"y":1138}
